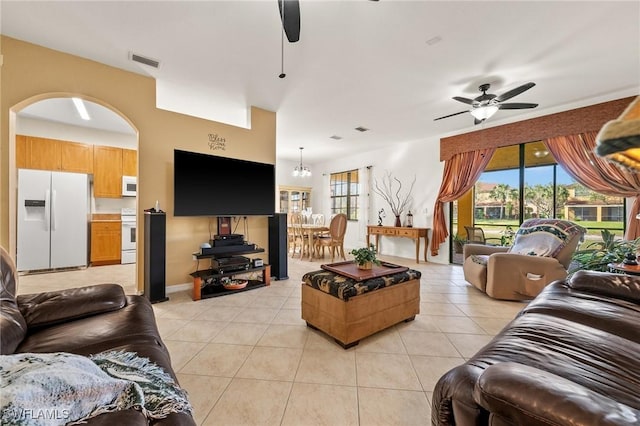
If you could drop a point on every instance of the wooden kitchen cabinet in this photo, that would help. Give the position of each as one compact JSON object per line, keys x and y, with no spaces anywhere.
{"x":76,"y":157}
{"x":21,"y":152}
{"x":106,"y":243}
{"x":107,"y":172}
{"x":129,"y":162}
{"x":51,"y":154}
{"x":43,"y":154}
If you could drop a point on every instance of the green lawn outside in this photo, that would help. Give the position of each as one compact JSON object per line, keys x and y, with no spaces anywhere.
{"x":493,"y":228}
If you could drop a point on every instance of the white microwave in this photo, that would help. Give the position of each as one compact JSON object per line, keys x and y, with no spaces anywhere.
{"x":129,"y":184}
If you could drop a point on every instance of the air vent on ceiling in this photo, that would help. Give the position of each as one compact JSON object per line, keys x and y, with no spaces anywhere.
{"x":361,"y":129}
{"x":144,"y":60}
{"x":335,"y":137}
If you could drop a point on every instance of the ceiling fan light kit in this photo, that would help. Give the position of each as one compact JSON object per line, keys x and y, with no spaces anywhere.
{"x":484,"y":112}
{"x":487,"y":104}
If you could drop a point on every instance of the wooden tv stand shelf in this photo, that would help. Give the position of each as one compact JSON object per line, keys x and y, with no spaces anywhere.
{"x":401,"y":231}
{"x":204,"y":290}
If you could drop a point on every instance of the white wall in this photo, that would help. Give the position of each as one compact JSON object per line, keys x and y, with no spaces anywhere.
{"x":404,"y":161}
{"x":54,"y":130}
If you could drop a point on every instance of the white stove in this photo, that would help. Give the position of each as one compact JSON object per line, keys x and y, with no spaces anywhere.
{"x":128,"y":218}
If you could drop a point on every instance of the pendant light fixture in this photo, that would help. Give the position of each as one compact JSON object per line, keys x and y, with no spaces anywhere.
{"x":300,"y":170}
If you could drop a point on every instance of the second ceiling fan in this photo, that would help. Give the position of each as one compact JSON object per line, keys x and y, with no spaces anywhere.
{"x":485,"y":105}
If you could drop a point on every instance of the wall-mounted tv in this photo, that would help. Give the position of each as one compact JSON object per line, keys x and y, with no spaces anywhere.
{"x":210,"y":185}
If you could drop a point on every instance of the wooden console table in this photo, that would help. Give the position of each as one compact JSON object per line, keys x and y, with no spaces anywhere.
{"x":401,"y":231}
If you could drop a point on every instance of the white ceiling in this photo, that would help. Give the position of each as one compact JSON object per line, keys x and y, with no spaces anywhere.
{"x":358,"y":63}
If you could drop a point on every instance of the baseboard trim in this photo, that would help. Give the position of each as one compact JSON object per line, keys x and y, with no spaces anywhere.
{"x":179,"y":287}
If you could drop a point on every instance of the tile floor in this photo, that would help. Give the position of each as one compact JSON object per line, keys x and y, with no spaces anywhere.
{"x":249,"y":359}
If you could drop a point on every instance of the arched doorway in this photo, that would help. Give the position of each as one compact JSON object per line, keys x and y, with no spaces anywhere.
{"x":49,"y":127}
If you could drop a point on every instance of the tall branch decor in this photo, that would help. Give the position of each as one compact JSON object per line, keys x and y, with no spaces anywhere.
{"x":393,"y":196}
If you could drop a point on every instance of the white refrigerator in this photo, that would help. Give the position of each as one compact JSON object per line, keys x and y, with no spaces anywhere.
{"x":52,"y":219}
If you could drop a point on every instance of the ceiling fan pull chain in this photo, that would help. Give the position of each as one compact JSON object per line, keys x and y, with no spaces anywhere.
{"x":282,"y":74}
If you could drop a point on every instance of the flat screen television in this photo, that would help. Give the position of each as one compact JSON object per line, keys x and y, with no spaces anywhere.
{"x":210,"y":185}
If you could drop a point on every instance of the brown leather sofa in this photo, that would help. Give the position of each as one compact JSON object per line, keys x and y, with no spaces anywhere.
{"x":571,"y":357}
{"x":83,"y":321}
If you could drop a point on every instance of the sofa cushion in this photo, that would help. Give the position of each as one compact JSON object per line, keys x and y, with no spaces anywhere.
{"x":54,"y":307}
{"x":13,"y":327}
{"x":624,"y":287}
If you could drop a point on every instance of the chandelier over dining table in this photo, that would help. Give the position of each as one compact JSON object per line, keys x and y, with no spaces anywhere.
{"x":300,"y":170}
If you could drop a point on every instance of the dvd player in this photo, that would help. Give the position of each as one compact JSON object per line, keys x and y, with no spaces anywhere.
{"x":231,"y":264}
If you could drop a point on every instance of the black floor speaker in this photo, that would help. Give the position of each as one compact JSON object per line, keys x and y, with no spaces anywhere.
{"x":155,"y":238}
{"x":278,"y":246}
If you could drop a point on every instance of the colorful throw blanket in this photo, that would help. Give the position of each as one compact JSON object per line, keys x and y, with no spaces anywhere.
{"x":61,"y":388}
{"x":544,"y":237}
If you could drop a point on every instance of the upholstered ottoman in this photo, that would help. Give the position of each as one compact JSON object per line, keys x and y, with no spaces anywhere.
{"x":349,"y":310}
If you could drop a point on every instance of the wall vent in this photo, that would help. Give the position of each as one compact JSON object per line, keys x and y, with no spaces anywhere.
{"x":144,"y":60}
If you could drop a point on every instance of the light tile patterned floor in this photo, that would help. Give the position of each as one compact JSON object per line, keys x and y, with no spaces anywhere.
{"x":248,"y":358}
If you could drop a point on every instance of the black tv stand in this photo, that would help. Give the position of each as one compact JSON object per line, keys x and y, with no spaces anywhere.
{"x":206,"y":282}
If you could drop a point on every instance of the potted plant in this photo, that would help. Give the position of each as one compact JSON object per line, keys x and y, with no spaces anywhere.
{"x":458,"y":243}
{"x":599,"y":254}
{"x":365,"y":257}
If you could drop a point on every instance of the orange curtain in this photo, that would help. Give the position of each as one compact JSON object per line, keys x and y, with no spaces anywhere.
{"x":460,"y":173}
{"x":575,"y":153}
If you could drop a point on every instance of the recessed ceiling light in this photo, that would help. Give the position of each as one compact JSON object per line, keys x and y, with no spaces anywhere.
{"x":361,"y":129}
{"x":336,"y":137}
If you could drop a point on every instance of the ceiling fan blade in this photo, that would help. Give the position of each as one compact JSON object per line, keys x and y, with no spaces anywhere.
{"x":514,"y":92}
{"x":516,"y":105}
{"x":464,"y":100}
{"x":290,"y":17}
{"x":450,"y":115}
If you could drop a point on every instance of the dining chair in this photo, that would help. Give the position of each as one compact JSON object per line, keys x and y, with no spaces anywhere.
{"x":317,"y":218}
{"x":335,"y":238}
{"x":300,"y":239}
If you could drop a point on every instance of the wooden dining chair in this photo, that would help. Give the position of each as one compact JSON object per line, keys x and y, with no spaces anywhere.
{"x":335,"y":238}
{"x":300,"y":238}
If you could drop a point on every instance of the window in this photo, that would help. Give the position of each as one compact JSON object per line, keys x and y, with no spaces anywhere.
{"x":524,"y":181}
{"x":344,"y":193}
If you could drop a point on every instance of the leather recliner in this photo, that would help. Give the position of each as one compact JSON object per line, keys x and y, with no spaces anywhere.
{"x":541,"y":254}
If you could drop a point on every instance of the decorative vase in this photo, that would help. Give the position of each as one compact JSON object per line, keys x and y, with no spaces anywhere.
{"x":366,"y":265}
{"x":398,"y":222}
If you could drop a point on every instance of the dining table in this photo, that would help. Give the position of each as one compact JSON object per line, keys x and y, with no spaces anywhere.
{"x":312,"y":231}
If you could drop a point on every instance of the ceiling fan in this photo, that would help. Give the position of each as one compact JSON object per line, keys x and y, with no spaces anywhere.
{"x":290,"y":16}
{"x":485,"y":105}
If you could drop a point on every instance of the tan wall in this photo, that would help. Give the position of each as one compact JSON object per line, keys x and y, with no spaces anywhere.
{"x":31,"y":73}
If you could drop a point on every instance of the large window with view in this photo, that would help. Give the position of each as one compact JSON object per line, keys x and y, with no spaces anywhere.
{"x":522,"y":182}
{"x":345,"y":193}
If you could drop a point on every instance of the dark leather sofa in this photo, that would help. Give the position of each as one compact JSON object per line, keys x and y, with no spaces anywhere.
{"x":571,"y":357}
{"x":83,"y":321}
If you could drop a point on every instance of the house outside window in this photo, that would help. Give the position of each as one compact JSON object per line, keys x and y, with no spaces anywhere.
{"x":529,"y":175}
{"x":345,"y":194}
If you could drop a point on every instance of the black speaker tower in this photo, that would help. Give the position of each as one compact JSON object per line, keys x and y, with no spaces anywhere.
{"x":278,"y":245}
{"x":155,"y":237}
